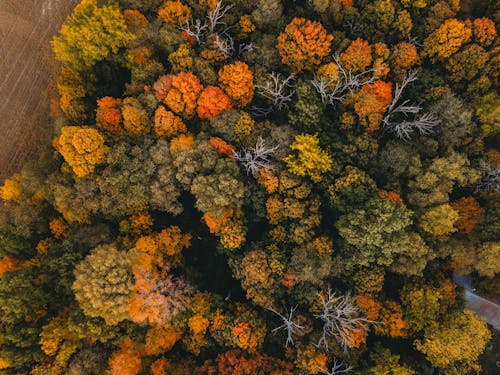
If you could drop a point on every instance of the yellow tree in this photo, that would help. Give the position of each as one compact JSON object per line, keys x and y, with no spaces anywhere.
{"x":309,"y":158}
{"x":82,"y":148}
{"x":456,"y":343}
{"x":91,"y":34}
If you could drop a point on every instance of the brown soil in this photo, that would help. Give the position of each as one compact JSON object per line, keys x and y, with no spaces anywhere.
{"x":27,"y":75}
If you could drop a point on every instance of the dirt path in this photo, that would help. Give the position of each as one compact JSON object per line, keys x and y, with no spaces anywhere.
{"x":27,"y":75}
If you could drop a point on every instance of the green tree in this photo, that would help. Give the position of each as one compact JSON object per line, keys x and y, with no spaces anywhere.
{"x":378,"y":233}
{"x":103,"y":284}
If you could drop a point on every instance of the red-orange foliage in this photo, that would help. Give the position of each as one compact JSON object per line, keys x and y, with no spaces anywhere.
{"x":303,"y":44}
{"x":126,"y":361}
{"x":237,"y":362}
{"x":9,"y":264}
{"x":135,"y":20}
{"x":371,"y":102}
{"x":109,"y":116}
{"x":469,"y":212}
{"x":221,"y":146}
{"x":266,"y":178}
{"x":58,"y":227}
{"x":162,"y":86}
{"x":159,"y":367}
{"x":391,"y":320}
{"x":484,"y":31}
{"x":229,"y":227}
{"x":160,"y":339}
{"x":357,"y":337}
{"x":358,"y":56}
{"x":369,"y":306}
{"x":211,"y":102}
{"x":182,"y":96}
{"x":390,"y":196}
{"x":167,"y":124}
{"x":237,"y":81}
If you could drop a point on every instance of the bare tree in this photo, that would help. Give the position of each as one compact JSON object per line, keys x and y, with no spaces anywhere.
{"x":424,"y":124}
{"x":341,"y":318}
{"x":344,"y":85}
{"x":288,"y":325}
{"x":254,"y":158}
{"x":225,"y":45}
{"x":490,"y":179}
{"x":195,"y":29}
{"x":214,"y":16}
{"x":198,"y":28}
{"x":278,"y":91}
{"x":338,"y":368}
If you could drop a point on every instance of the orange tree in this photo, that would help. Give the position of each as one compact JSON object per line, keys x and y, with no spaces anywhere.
{"x":303,"y":44}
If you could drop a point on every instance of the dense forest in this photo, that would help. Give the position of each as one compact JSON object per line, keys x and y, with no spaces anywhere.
{"x":257,"y":187}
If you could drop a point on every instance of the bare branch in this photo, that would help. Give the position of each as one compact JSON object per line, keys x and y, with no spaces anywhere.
{"x":278,"y":91}
{"x":254,"y":158}
{"x":288,"y":324}
{"x":341,"y":318}
{"x":424,"y":124}
{"x":490,"y":179}
{"x":215,"y":15}
{"x":338,"y":368}
{"x":225,"y":44}
{"x":344,"y":85}
{"x":195,"y":29}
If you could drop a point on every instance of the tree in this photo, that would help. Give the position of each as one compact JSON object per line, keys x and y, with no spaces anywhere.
{"x":167,"y":124}
{"x":390,"y":320}
{"x":183,"y":94}
{"x":303,"y":44}
{"x":357,"y":57}
{"x":309,"y":158}
{"x":385,"y":363}
{"x":158,"y":297}
{"x":82,"y":147}
{"x":341,"y":319}
{"x":211,"y":102}
{"x":237,"y":81}
{"x":378,"y":233}
{"x":137,"y":176}
{"x":439,"y":220}
{"x":421,"y":306}
{"x":126,"y":360}
{"x":135,"y":118}
{"x":432,"y":184}
{"x":447,"y":39}
{"x":489,"y":259}
{"x":103,"y":284}
{"x":174,"y":13}
{"x":108,"y":115}
{"x":469,"y":213}
{"x":456,"y":343}
{"x":242,"y":363}
{"x":484,"y":31}
{"x":220,"y":189}
{"x":91,"y":34}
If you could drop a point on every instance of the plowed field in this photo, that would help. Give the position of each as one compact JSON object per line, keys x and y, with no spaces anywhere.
{"x":27,"y":75}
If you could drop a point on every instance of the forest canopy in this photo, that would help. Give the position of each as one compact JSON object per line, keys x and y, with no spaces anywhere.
{"x":259,"y":187}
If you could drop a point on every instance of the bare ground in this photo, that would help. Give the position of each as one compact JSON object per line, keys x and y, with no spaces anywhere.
{"x":27,"y":75}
